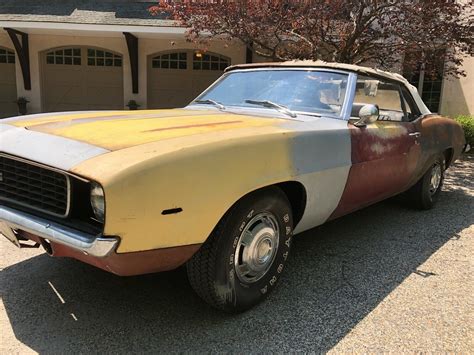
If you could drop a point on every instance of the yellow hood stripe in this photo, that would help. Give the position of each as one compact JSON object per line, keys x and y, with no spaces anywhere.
{"x":119,"y":134}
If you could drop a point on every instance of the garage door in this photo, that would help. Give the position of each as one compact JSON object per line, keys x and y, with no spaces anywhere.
{"x":79,"y":78}
{"x":8,"y":93}
{"x":175,"y":79}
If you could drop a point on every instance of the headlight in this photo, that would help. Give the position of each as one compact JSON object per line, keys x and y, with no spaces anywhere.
{"x":98,"y":201}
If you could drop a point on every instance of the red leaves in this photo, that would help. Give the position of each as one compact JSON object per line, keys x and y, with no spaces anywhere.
{"x":377,"y":32}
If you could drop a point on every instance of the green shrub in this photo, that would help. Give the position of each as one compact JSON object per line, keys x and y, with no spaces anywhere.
{"x":467,"y":123}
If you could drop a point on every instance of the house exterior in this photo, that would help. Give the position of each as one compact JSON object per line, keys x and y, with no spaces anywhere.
{"x":86,"y":55}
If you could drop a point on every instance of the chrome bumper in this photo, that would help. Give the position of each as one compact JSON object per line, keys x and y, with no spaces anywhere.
{"x":86,"y":243}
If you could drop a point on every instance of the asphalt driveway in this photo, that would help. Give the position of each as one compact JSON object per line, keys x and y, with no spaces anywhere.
{"x":386,"y":278}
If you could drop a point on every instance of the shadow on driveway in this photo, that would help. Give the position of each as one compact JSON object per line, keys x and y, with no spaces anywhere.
{"x":338,"y":273}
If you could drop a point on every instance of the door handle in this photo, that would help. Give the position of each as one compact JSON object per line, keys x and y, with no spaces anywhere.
{"x":415,"y":134}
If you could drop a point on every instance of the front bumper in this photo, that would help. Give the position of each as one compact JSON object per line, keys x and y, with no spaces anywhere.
{"x":87,"y":244}
{"x":101,"y":252}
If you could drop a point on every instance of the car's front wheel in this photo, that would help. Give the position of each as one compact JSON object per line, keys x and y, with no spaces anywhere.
{"x":242,"y":260}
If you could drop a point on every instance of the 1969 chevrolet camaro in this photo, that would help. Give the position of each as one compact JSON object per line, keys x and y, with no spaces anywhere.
{"x":268,"y":151}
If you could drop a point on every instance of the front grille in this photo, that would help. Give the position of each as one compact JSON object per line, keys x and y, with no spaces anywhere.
{"x":33,"y":186}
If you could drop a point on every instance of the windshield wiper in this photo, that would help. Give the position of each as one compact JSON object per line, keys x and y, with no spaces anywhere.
{"x":211,"y":102}
{"x":270,"y":104}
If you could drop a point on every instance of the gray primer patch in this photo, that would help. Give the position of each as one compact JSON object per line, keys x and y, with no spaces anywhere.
{"x":320,"y":144}
{"x":321,"y":155}
{"x":58,"y":152}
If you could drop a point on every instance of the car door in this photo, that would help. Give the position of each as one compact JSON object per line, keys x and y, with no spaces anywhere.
{"x":384,"y":154}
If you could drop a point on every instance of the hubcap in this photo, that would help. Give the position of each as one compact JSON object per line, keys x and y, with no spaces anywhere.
{"x":435,"y":178}
{"x":257,"y":247}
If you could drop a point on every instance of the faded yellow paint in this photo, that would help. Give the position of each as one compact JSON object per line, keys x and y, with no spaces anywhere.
{"x":222,"y":166}
{"x":118,"y":131}
{"x":115,"y":135}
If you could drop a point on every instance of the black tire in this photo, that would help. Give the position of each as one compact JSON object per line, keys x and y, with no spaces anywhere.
{"x":422,"y":195}
{"x":212,"y":271}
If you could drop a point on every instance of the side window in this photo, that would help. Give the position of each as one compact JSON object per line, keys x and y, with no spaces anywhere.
{"x":385,"y":94}
{"x":410,"y":106}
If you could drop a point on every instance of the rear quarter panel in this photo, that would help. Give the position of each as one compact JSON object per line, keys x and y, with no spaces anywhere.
{"x":438,"y":135}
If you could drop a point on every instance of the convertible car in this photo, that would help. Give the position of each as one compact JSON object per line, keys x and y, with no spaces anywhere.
{"x":222,"y":185}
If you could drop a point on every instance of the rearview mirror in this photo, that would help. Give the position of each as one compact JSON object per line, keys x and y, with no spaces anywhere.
{"x":367,"y":114}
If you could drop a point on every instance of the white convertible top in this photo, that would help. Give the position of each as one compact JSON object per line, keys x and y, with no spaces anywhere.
{"x":340,"y":66}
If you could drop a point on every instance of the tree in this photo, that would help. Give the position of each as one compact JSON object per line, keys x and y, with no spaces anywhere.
{"x":374,"y":32}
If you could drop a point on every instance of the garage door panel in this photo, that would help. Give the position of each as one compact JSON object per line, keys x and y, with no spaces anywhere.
{"x":63,"y":77}
{"x":169,"y":88}
{"x":201,"y":81}
{"x":8,"y":93}
{"x":98,"y":96}
{"x":101,"y":106}
{"x":170,"y":99}
{"x":64,"y":94}
{"x":93,"y":79}
{"x":174,"y":80}
{"x":67,"y":106}
{"x":62,"y":88}
{"x":105,"y":78}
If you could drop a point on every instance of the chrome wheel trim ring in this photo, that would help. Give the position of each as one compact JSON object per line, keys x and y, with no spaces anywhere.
{"x":435,"y":180}
{"x":257,"y":247}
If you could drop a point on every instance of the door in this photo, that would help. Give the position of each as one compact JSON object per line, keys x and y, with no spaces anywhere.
{"x":384,"y":154}
{"x":8,"y":94}
{"x":176,"y":78}
{"x":81,"y":78}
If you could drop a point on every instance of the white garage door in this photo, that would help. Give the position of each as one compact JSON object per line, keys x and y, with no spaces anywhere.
{"x":79,"y":78}
{"x":8,"y":93}
{"x":174,"y":79}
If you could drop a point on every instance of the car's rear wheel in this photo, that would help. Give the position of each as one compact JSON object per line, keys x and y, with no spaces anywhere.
{"x":242,"y":260}
{"x":426,"y":191}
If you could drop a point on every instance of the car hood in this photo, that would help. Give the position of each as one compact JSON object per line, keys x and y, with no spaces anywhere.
{"x":113,"y":130}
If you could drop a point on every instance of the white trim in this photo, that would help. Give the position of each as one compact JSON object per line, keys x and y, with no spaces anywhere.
{"x":58,"y":152}
{"x":41,"y":115}
{"x":70,"y":26}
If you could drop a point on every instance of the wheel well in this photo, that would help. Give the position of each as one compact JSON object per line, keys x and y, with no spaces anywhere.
{"x":296,"y":194}
{"x":294,"y":191}
{"x":448,"y":155}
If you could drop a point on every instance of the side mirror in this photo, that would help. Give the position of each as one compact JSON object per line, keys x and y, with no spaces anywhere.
{"x":367,"y":114}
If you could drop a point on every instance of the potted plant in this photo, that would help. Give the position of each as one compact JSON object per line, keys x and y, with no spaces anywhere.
{"x":22,"y":102}
{"x":132,"y":105}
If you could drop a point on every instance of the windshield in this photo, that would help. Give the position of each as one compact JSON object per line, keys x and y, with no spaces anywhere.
{"x":309,"y":91}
